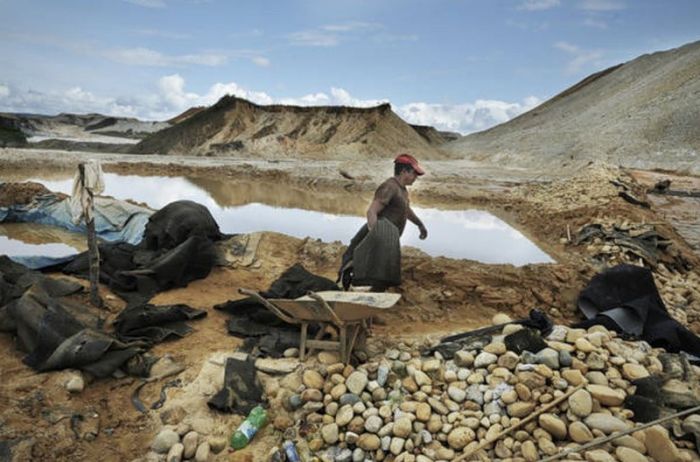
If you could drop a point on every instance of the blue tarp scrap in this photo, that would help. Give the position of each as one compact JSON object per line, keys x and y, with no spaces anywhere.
{"x":115,"y":221}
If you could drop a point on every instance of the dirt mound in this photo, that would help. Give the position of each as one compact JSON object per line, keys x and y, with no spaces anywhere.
{"x":642,"y":114}
{"x":234,"y":126}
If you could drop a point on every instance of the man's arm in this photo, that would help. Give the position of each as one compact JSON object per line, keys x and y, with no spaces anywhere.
{"x":373,"y":212}
{"x":415,"y":220}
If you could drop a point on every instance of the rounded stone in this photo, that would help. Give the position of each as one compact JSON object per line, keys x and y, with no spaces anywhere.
{"x":606,"y":395}
{"x":329,"y":433}
{"x":312,"y":379}
{"x":356,"y":382}
{"x":554,"y":425}
{"x":579,"y":432}
{"x":373,"y":423}
{"x":606,"y":423}
{"x":629,"y":455}
{"x":344,"y":415}
{"x":460,"y":437}
{"x":165,"y":440}
{"x":423,"y":412}
{"x":368,"y":442}
{"x":581,"y":403}
{"x":402,"y":427}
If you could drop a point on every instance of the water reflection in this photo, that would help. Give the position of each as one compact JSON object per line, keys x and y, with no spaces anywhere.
{"x":242,"y":207}
{"x":32,"y":239}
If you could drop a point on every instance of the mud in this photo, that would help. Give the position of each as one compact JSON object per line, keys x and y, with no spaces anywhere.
{"x":439,"y":295}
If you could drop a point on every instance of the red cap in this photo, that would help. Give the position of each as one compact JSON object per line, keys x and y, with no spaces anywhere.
{"x":409,"y":160}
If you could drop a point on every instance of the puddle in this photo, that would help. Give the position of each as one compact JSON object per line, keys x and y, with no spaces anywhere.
{"x":243,"y":207}
{"x":32,"y":239}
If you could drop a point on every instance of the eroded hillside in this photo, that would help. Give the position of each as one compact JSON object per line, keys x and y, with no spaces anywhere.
{"x":234,"y":127}
{"x":643,"y":114}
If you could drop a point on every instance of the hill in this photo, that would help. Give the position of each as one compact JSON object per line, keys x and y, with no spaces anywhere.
{"x":234,"y":126}
{"x":644,"y":113}
{"x":79,"y":127}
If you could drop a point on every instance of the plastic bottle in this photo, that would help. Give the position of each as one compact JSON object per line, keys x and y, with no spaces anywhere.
{"x":250,"y":426}
{"x":291,"y":451}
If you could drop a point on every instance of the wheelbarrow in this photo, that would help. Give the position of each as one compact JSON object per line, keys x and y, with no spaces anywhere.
{"x":349,"y":312}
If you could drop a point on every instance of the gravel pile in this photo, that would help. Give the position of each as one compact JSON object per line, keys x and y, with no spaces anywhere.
{"x":403,"y":407}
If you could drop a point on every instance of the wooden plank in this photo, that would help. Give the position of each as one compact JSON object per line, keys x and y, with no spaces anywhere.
{"x":324,"y":344}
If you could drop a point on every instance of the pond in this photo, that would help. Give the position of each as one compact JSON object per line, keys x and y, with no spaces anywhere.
{"x":243,"y":207}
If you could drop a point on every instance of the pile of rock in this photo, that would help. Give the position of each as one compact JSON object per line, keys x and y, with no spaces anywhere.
{"x":609,"y":242}
{"x":175,"y":443}
{"x":403,"y":407}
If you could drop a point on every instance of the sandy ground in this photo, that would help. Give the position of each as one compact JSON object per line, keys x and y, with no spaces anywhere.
{"x":440,"y":295}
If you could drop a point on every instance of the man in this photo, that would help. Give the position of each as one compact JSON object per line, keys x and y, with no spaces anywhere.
{"x":390,"y":202}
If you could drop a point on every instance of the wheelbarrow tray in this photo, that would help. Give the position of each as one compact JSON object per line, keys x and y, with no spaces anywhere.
{"x":348,"y":306}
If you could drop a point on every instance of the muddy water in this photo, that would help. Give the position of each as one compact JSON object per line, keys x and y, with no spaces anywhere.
{"x":25,"y":240}
{"x":242,"y":207}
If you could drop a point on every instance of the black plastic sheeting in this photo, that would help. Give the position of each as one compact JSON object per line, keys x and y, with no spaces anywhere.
{"x":177,"y":248}
{"x":56,"y":333}
{"x":153,"y":324}
{"x":537,"y":325}
{"x":625,"y":299}
{"x":242,"y":390}
{"x":263,"y":330}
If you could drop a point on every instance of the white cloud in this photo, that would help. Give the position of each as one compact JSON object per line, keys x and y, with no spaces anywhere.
{"x":602,"y":5}
{"x":163,"y":34}
{"x":147,"y":3}
{"x":595,"y":23}
{"x":171,"y":98}
{"x":351,"y":26}
{"x":331,"y":35}
{"x":147,"y":57}
{"x":313,"y":38}
{"x":581,"y":59}
{"x":466,"y":117}
{"x":260,"y":61}
{"x":538,"y":5}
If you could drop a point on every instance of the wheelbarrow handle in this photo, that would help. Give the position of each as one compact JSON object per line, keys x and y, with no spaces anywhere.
{"x":269,"y":305}
{"x":336,"y":320}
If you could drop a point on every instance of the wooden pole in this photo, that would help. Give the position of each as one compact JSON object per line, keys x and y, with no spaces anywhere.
{"x":93,"y":250}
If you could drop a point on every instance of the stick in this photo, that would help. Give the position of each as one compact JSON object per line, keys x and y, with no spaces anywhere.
{"x":549,"y":406}
{"x":93,"y":249}
{"x":616,"y":435}
{"x":568,"y":233}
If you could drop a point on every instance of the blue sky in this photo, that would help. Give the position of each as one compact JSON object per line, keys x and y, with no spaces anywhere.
{"x":460,"y":65}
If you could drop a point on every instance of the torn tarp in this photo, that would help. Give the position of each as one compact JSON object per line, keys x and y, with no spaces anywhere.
{"x":58,"y":333}
{"x":115,"y":220}
{"x":153,"y":324}
{"x":624,"y":298}
{"x":177,"y":248}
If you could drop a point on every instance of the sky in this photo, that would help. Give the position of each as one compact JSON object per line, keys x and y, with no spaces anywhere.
{"x":459,"y":65}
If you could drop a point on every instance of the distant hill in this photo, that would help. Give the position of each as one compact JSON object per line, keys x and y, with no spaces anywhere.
{"x":236,"y":127}
{"x":644,"y":113}
{"x":79,"y":127}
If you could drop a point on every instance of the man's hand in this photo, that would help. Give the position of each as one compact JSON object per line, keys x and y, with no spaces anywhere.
{"x":423,"y":232}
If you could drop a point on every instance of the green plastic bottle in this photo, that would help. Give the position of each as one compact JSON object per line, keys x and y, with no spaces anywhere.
{"x":249,"y":427}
